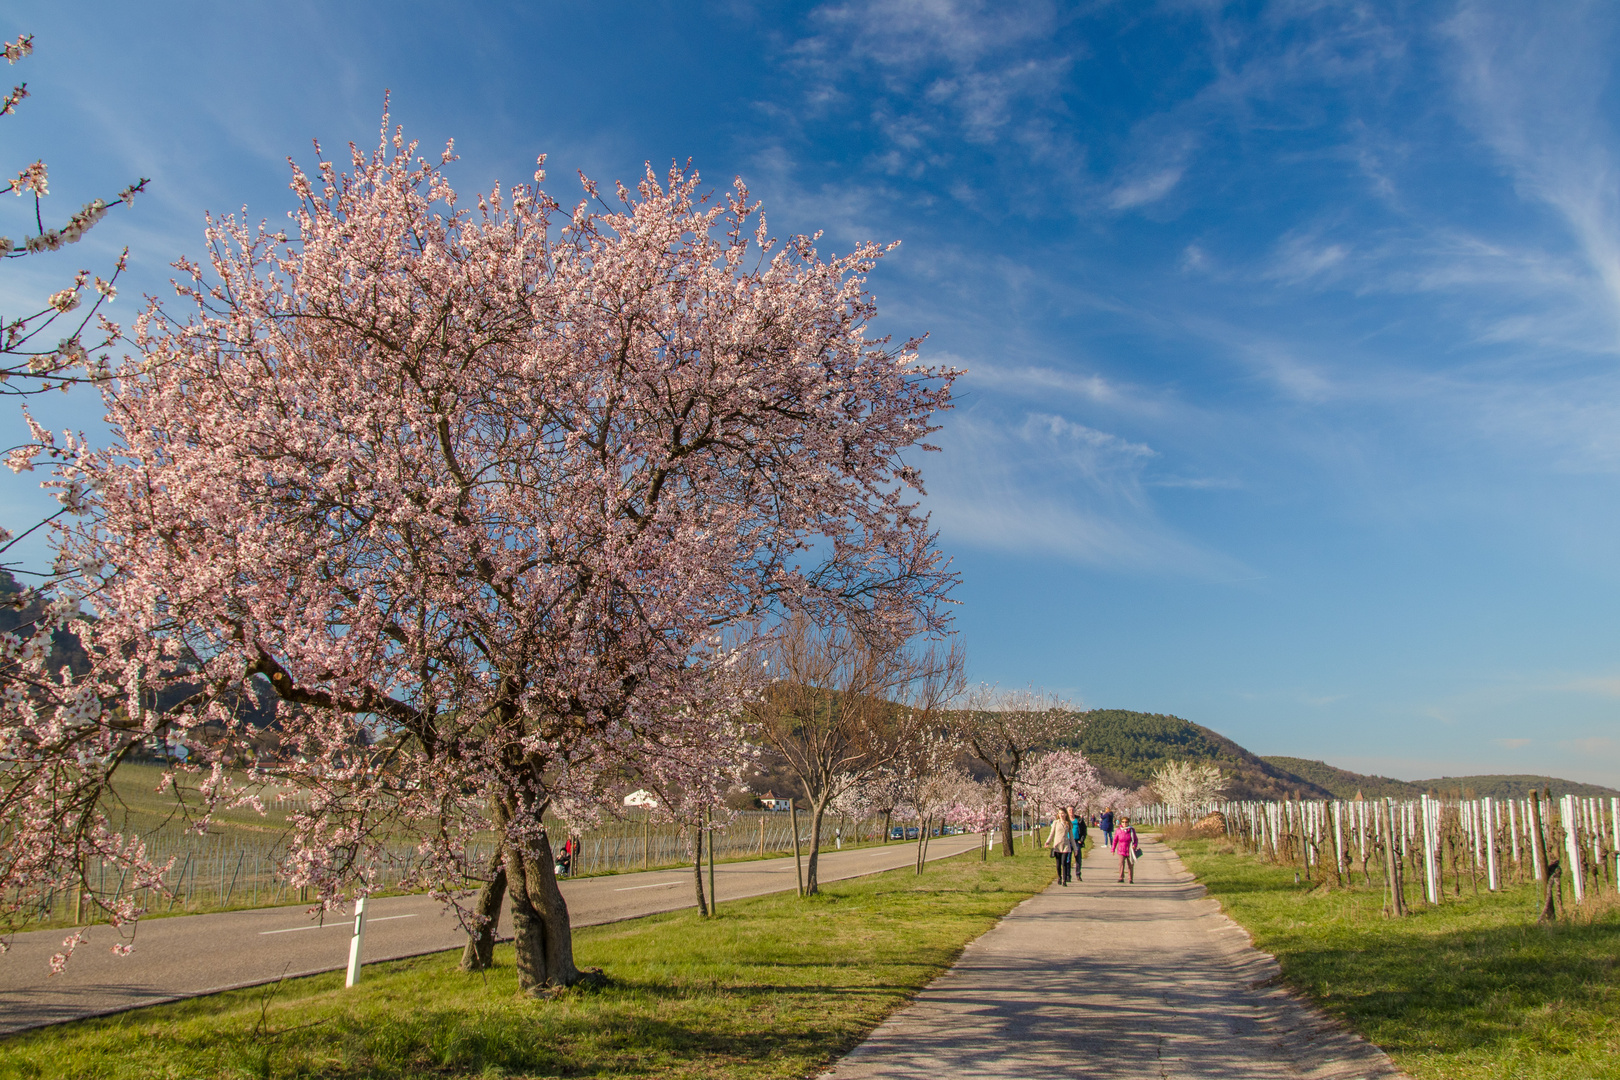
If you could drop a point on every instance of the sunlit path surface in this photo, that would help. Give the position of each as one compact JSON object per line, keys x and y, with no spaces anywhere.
{"x":190,"y":955}
{"x":1126,"y":982}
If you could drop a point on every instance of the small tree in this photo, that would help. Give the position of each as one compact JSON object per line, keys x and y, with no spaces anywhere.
{"x":1185,"y":786}
{"x":1002,"y":729}
{"x":1060,"y":778}
{"x":875,"y":795}
{"x":689,"y":786}
{"x":844,"y":706}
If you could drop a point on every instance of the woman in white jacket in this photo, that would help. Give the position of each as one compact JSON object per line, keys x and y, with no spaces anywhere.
{"x":1061,"y":841}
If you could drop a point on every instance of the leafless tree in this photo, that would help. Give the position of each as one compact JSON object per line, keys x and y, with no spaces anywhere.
{"x":842,"y":707}
{"x":1001,"y":727}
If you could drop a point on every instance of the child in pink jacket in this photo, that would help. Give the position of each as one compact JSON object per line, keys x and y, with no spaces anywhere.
{"x":1125,"y":848}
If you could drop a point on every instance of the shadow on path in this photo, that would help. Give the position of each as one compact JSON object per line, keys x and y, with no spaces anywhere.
{"x":1100,"y":979}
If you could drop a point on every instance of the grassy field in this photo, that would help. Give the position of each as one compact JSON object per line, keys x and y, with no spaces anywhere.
{"x":775,"y":987}
{"x":1468,"y":990}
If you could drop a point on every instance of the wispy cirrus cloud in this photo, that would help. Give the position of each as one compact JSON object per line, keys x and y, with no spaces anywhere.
{"x":1042,"y":380}
{"x":1531,"y":81}
{"x":1038,"y":482}
{"x":1146,"y":189}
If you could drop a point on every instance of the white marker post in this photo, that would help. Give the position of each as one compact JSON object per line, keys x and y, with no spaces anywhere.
{"x":1431,"y":885}
{"x":1537,"y":841}
{"x":356,"y":943}
{"x":1513,"y":832}
{"x":1567,"y":815}
{"x":1614,"y":825}
{"x":1491,"y":823}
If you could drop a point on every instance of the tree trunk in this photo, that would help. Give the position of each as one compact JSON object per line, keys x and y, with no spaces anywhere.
{"x":1392,"y":867}
{"x":540,"y":930}
{"x":817,"y":810}
{"x":886,"y":815}
{"x":1007,"y":848}
{"x":480,"y":951}
{"x":1549,"y":887}
{"x":697,"y":869}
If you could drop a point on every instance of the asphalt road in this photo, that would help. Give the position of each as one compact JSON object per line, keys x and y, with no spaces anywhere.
{"x":190,"y":955}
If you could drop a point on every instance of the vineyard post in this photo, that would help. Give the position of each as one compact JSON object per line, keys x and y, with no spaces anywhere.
{"x":1569,"y":818}
{"x":1614,"y":824}
{"x":1538,"y":855}
{"x":1431,"y":871}
{"x":1513,"y":837}
{"x":1538,"y":846}
{"x":1594,"y":817}
{"x":1392,"y":875}
{"x":1491,"y":825}
{"x":1338,"y":841}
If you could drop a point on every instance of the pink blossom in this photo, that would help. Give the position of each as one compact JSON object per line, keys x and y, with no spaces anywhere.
{"x":475,"y":498}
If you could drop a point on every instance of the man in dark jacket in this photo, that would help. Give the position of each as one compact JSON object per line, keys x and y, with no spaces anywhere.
{"x":1107,"y":826}
{"x":1078,"y":835}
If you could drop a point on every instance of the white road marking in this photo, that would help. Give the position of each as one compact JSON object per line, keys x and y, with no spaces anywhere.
{"x":343,"y":922}
{"x":659,"y":885}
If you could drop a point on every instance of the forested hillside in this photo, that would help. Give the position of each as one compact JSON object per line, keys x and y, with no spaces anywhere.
{"x":1344,"y":784}
{"x":1130,"y":745}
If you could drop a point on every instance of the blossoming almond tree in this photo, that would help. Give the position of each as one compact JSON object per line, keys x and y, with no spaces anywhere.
{"x":476,"y":496}
{"x":977,"y":808}
{"x":1060,"y":778}
{"x":1002,"y":729}
{"x":1186,"y":786}
{"x":689,"y":785}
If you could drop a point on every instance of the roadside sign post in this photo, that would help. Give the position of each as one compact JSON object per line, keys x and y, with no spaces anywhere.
{"x":356,"y":943}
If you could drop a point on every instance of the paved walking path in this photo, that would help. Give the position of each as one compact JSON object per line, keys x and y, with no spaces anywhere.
{"x":191,"y":955}
{"x":1119,"y":982}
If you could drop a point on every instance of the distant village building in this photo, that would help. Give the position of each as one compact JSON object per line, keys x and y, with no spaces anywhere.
{"x":770,"y":802}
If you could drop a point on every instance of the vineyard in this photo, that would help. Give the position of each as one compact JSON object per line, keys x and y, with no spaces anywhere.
{"x":241,"y":868}
{"x":1417,"y":849}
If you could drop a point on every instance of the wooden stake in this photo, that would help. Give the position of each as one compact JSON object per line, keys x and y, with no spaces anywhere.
{"x":714,"y":899}
{"x":1538,"y":848}
{"x":798,"y":864}
{"x":1392,"y":872}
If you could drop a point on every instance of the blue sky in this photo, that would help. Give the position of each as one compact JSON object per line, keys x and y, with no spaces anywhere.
{"x":1292,"y":328}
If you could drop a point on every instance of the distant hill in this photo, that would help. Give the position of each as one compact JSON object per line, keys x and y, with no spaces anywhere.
{"x":66,"y":649}
{"x":1344,"y":784}
{"x":1128,"y":746}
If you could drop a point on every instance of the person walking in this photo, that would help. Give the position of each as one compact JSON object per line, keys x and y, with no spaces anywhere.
{"x":1107,"y":826}
{"x":1077,"y":833}
{"x":1062,"y":845}
{"x":1126,"y":848}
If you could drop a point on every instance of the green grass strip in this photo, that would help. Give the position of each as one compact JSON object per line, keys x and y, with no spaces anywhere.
{"x":1470,"y":989}
{"x":775,"y":987}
